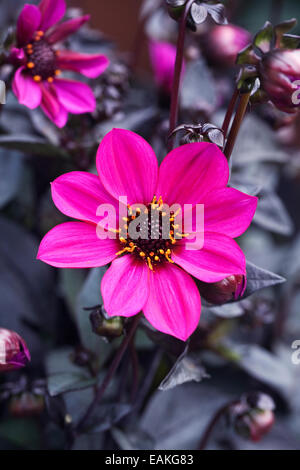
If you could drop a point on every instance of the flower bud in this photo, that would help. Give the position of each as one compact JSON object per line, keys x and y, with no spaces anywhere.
{"x":255,"y":425}
{"x":200,"y":133}
{"x":279,"y":70}
{"x":218,"y":293}
{"x":198,"y":12}
{"x":109,"y":328}
{"x":14,"y":353}
{"x":26,"y":404}
{"x":223,"y":43}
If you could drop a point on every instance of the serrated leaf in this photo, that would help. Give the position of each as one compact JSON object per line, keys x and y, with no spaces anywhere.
{"x":259,"y":278}
{"x":264,"y":38}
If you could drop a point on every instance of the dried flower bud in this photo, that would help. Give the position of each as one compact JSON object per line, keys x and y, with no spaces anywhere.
{"x":200,"y":133}
{"x":26,"y":404}
{"x":279,"y":70}
{"x":218,"y":293}
{"x":223,"y":43}
{"x":109,"y":328}
{"x":14,"y":353}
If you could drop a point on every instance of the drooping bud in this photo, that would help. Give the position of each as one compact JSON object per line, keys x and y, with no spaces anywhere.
{"x":200,"y":133}
{"x":218,"y":293}
{"x":223,"y":43}
{"x":198,"y":13}
{"x":108,"y":328}
{"x":26,"y":404}
{"x":14,"y":353}
{"x":280,"y":78}
{"x":253,"y":416}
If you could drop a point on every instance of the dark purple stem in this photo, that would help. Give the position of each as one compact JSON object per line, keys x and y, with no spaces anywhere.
{"x":177,"y":72}
{"x":214,"y":421}
{"x":236,"y":125}
{"x":229,"y":113}
{"x":112,"y":369}
{"x":135,"y":370}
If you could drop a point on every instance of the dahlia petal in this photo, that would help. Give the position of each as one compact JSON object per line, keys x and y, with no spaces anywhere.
{"x":227,"y":211}
{"x":219,"y":258}
{"x":75,"y":97}
{"x":51,"y":106}
{"x":78,"y":194}
{"x":127,"y":166}
{"x":52,"y":11}
{"x":26,"y":90}
{"x":90,"y":65}
{"x":28,"y":22}
{"x":189,"y":172}
{"x":65,"y":29}
{"x":125,"y":287}
{"x":76,"y":245}
{"x":174,"y":303}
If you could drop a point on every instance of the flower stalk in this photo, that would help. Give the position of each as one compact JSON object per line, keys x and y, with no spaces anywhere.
{"x":111,"y":371}
{"x":236,"y":125}
{"x":229,"y":112}
{"x":177,"y":72}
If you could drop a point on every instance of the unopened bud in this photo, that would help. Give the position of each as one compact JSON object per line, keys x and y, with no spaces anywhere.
{"x":14,"y":353}
{"x":109,"y":328}
{"x":218,"y":293}
{"x":26,"y":404}
{"x":280,"y":78}
{"x":223,"y":43}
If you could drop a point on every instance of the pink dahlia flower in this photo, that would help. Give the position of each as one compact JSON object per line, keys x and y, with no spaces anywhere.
{"x":14,"y":353}
{"x":152,"y":274}
{"x":36,"y":81}
{"x":163,"y":56}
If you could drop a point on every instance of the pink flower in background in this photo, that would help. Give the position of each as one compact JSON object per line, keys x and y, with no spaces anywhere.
{"x":36,"y":81}
{"x":14,"y":353}
{"x":224,"y":42}
{"x":163,"y":55}
{"x":152,"y":274}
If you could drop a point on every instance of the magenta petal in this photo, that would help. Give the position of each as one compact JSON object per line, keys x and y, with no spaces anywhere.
{"x":189,"y":172}
{"x":63,"y":30}
{"x":127,"y":166}
{"x":75,"y":97}
{"x":228,"y":211}
{"x":26,"y":90}
{"x":78,"y":195}
{"x":76,"y":245}
{"x":52,"y":11}
{"x":90,"y":65}
{"x":51,"y":106}
{"x":125,"y":287}
{"x":220,"y":257}
{"x":174,"y":303}
{"x":28,"y":22}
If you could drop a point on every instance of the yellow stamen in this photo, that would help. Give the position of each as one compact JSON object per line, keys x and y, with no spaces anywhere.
{"x":167,"y":255}
{"x":182,"y":234}
{"x":30,"y":65}
{"x":40,"y":33}
{"x":151,"y":253}
{"x":37,"y":78}
{"x":57,"y":71}
{"x":50,"y":79}
{"x":149,"y":263}
{"x":142,"y":254}
{"x":156,"y":258}
{"x":161,"y":251}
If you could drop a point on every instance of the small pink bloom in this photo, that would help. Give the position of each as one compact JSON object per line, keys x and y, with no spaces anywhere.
{"x":14,"y":353}
{"x":223,"y":43}
{"x":151,"y":274}
{"x":39,"y":63}
{"x":163,"y":56}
